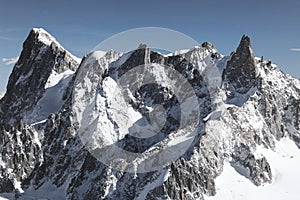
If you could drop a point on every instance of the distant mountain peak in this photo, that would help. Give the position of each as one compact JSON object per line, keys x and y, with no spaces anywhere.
{"x":142,"y":46}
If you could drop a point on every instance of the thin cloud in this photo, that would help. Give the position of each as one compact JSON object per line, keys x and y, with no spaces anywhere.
{"x":5,"y":38}
{"x":295,"y":49}
{"x":11,"y":30}
{"x":10,"y":61}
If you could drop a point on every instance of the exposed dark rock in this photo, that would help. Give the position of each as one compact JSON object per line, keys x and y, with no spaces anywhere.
{"x":241,"y":70}
{"x":207,"y":45}
{"x":20,"y":153}
{"x":139,"y":57}
{"x":259,"y":168}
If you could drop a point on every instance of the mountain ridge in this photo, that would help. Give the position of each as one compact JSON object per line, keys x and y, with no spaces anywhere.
{"x":246,"y":104}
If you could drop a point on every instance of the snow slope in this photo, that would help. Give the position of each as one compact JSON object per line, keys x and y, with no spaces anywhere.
{"x":52,"y":99}
{"x":284,"y":162}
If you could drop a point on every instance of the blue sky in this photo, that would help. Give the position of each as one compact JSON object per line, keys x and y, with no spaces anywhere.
{"x":273,"y":26}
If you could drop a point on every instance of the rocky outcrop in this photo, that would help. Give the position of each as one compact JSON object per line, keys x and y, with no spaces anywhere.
{"x":279,"y":96}
{"x":258,"y":168}
{"x":241,"y":70}
{"x":21,"y":153}
{"x":138,"y":57}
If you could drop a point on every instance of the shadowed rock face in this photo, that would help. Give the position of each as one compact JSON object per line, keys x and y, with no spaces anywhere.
{"x":20,"y":154}
{"x":241,"y":70}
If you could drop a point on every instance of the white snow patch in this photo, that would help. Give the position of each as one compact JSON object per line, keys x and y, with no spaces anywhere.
{"x":46,"y":191}
{"x":98,"y":54}
{"x":2,"y":95}
{"x":157,"y":182}
{"x":95,"y":55}
{"x":55,"y":77}
{"x":44,"y":36}
{"x":179,"y":52}
{"x":240,"y":99}
{"x":7,"y":196}
{"x":51,"y":101}
{"x":40,"y":122}
{"x":284,"y":162}
{"x":17,"y":185}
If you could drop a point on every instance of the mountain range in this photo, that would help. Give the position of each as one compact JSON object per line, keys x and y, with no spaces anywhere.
{"x":59,"y":110}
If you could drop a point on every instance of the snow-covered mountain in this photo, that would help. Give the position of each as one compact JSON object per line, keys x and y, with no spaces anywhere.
{"x":58,"y":112}
{"x":39,"y":79}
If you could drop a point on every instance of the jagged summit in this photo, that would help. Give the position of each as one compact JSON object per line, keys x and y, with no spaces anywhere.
{"x":245,"y":47}
{"x":207,"y":45}
{"x":142,"y":46}
{"x":246,"y":39}
{"x":241,"y":70}
{"x":43,"y":36}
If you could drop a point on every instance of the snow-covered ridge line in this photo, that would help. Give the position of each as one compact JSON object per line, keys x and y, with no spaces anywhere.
{"x":48,"y":39}
{"x":44,"y":36}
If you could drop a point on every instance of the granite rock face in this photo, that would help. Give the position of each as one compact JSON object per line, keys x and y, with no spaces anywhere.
{"x":244,"y":105}
{"x":241,"y":70}
{"x":21,"y":153}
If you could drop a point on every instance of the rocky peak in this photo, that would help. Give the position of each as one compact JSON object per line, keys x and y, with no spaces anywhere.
{"x":43,"y":36}
{"x":41,"y":56}
{"x":140,"y":56}
{"x":207,"y":45}
{"x":142,"y":46}
{"x":241,"y":70}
